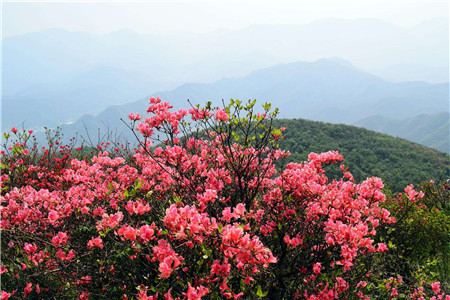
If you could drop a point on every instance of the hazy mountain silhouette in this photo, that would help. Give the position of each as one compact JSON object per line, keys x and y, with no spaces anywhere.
{"x":37,"y":65}
{"x":431,"y":130}
{"x":51,"y":104}
{"x":328,"y":90}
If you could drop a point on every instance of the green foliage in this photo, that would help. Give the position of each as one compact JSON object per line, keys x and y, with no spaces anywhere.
{"x":419,"y":241}
{"x":397,"y":161}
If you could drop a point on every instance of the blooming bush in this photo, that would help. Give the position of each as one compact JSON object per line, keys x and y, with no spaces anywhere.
{"x":419,"y":239}
{"x":205,"y":208}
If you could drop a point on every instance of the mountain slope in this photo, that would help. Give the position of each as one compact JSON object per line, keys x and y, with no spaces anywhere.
{"x":36,"y":65}
{"x":51,"y":104}
{"x":367,"y":153}
{"x":325,"y":90}
{"x":397,"y":161}
{"x":46,"y":55}
{"x":431,"y":130}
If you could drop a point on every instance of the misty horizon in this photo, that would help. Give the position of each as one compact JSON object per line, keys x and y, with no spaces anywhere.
{"x":52,"y":62}
{"x":218,"y":30}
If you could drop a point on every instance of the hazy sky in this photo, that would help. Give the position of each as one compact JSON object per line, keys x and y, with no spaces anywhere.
{"x":102,"y":17}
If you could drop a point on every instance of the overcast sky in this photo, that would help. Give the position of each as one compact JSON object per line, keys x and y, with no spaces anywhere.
{"x":160,"y":17}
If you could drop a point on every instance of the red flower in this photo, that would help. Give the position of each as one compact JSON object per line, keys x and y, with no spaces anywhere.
{"x":435,"y":286}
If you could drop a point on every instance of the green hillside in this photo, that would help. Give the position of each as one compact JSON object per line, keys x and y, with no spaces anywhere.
{"x":367,"y":153}
{"x":431,"y":130}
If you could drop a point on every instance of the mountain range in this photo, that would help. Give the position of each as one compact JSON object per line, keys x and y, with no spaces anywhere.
{"x":55,"y":76}
{"x":431,"y":130}
{"x":78,"y":80}
{"x":330,"y":90}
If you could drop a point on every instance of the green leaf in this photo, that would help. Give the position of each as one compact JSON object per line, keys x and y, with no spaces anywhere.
{"x":137,"y":184}
{"x":260,"y":293}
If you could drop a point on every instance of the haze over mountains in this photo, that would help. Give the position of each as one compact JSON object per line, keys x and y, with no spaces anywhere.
{"x":329,"y":90}
{"x":56,"y":76}
{"x":431,"y":130}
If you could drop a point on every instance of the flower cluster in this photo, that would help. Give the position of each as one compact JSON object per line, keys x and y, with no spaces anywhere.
{"x":207,"y":213}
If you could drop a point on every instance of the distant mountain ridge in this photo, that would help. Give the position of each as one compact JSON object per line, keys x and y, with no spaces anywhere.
{"x":431,"y":130}
{"x":41,"y":71}
{"x":325,"y":90}
{"x":50,"y":105}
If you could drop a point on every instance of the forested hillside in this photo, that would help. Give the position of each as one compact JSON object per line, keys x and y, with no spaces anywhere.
{"x":431,"y":130}
{"x":397,"y":161}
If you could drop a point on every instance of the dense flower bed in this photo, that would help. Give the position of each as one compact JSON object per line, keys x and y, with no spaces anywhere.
{"x":212,"y":213}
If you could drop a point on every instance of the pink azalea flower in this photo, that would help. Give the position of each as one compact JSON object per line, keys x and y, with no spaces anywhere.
{"x":382,"y":247}
{"x":435,"y":286}
{"x":317,"y":267}
{"x":134,"y":117}
{"x":53,"y":216}
{"x":95,"y":243}
{"x":221,"y":115}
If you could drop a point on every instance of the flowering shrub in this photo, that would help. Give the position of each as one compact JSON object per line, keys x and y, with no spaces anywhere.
{"x":210,"y":211}
{"x":419,"y":239}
